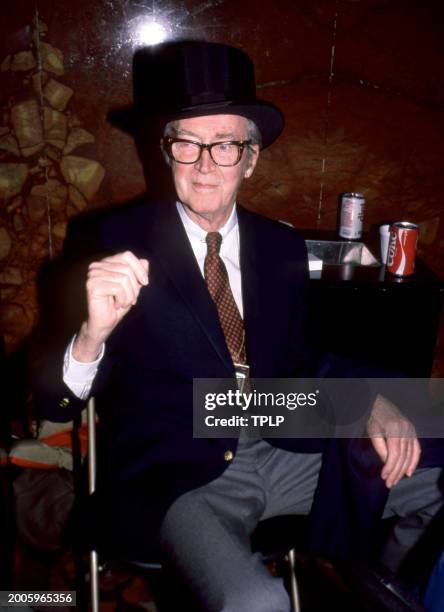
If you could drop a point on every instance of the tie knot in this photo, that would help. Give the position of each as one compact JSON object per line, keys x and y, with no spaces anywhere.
{"x":213,"y":240}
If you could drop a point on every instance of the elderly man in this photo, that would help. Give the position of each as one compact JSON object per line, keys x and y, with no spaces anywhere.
{"x":201,"y":288}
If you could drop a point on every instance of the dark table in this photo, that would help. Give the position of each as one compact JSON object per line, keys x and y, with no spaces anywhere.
{"x":366,"y":313}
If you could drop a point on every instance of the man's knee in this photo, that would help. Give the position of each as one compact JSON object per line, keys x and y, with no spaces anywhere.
{"x":269,"y":595}
{"x":416,"y":502}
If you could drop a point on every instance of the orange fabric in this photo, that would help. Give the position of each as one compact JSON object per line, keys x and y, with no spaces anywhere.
{"x":60,"y":439}
{"x":63,"y":438}
{"x":28,"y":463}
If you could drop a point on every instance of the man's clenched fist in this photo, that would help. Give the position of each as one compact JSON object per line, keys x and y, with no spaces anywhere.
{"x":112,"y":288}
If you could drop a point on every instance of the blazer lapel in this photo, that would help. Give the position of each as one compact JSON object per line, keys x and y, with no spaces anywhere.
{"x":173,"y":253}
{"x":250,"y":263}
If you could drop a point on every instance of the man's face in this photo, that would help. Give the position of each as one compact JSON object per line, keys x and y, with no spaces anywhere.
{"x":206,"y":190}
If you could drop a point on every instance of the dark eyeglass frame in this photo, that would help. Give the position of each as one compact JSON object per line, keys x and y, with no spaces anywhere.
{"x":241,"y":144}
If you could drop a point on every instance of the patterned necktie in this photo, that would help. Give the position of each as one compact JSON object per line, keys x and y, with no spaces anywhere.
{"x":219,"y":287}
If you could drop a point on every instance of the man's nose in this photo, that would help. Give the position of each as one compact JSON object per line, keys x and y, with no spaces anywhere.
{"x":205,"y":163}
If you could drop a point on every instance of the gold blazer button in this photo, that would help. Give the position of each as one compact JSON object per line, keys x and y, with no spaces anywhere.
{"x":64,"y":402}
{"x":228,"y":455}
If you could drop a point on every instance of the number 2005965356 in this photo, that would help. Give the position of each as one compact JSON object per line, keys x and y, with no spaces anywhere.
{"x":48,"y":598}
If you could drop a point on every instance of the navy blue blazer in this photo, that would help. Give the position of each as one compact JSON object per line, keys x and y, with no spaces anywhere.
{"x":172,"y":335}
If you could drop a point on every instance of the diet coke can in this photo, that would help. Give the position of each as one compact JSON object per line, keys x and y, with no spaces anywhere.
{"x":402,"y":248}
{"x":352,"y":215}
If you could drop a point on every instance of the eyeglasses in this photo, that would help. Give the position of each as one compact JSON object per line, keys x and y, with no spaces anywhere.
{"x":226,"y":153}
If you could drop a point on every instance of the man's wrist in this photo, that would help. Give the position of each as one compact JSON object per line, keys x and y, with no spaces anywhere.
{"x":86,"y":348}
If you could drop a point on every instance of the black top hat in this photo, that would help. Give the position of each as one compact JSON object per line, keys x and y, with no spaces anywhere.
{"x":192,"y":78}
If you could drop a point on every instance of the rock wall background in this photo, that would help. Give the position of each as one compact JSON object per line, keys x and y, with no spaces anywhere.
{"x":361,"y":84}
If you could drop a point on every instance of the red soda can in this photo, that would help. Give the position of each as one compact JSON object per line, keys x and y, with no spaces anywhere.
{"x":402,"y":248}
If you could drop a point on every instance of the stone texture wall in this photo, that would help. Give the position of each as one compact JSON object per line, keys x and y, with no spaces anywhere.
{"x":360,"y":82}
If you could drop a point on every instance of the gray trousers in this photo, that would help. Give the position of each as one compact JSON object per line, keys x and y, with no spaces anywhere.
{"x":206,"y":532}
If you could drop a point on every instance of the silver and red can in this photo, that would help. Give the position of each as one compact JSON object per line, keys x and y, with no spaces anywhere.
{"x":352,"y":215}
{"x":402,"y":248}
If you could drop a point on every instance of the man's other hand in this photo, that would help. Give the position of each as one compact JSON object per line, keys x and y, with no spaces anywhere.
{"x":112,"y":288}
{"x":394,"y":439}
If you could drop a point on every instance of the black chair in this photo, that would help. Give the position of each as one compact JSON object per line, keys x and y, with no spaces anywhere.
{"x":269,"y":539}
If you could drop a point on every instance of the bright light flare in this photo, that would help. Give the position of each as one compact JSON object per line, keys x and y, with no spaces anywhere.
{"x":150,"y":32}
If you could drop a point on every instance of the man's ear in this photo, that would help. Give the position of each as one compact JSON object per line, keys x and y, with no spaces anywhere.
{"x":252,"y":161}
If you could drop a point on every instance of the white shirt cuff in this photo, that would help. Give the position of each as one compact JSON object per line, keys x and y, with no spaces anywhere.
{"x":77,"y":375}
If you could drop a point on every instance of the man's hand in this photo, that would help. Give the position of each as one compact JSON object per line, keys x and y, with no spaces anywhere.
{"x":112,"y":288}
{"x":394,"y":439}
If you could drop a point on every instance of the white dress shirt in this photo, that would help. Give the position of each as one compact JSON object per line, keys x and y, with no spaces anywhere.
{"x":79,"y":376}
